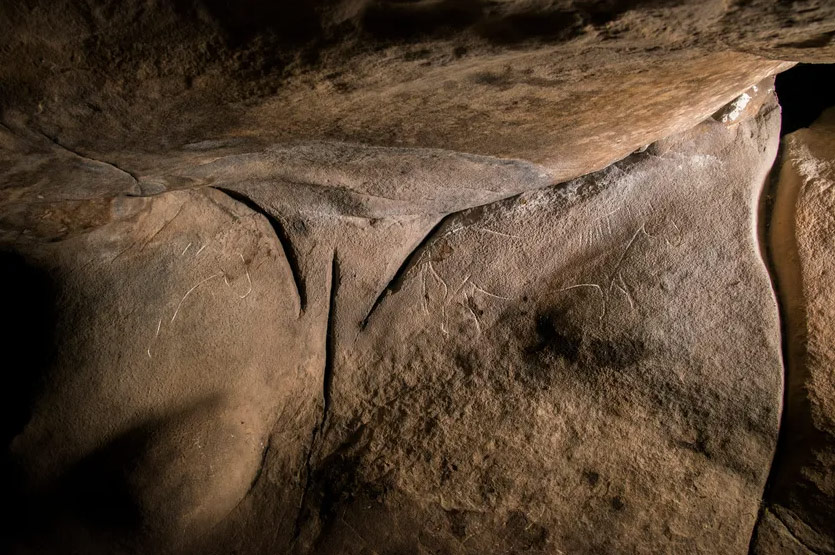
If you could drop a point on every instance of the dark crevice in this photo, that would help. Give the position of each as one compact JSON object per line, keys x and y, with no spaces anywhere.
{"x":804,"y":92}
{"x":327,"y":382}
{"x":283,"y":239}
{"x":411,"y":259}
{"x":327,"y":378}
{"x":790,"y":315}
{"x":796,"y":432}
{"x":308,"y":482}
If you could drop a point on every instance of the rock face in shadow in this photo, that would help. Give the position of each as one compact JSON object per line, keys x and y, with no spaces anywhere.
{"x":772,"y":536}
{"x":802,"y":495}
{"x":142,"y":92}
{"x":178,"y":348}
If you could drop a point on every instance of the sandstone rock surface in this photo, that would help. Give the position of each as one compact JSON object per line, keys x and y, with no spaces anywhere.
{"x":772,"y":536}
{"x":514,"y":377}
{"x":571,"y":86}
{"x":593,"y":367}
{"x":337,"y":277}
{"x":802,"y":495}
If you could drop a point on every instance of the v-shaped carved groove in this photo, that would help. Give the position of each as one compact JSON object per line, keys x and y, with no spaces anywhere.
{"x":411,"y":259}
{"x":283,"y":239}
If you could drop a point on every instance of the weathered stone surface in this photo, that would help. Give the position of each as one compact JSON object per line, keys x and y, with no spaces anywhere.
{"x":178,"y":348}
{"x":518,"y":376}
{"x":772,"y":537}
{"x":593,"y":367}
{"x":355,"y":313}
{"x":803,"y":491}
{"x":571,"y":86}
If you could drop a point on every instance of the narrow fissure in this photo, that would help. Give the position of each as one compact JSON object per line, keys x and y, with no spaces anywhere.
{"x":327,"y":377}
{"x":802,"y":98}
{"x":327,"y":383}
{"x":764,"y":214}
{"x":260,"y":470}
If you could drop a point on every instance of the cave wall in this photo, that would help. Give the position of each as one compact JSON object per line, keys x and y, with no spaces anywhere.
{"x":403,"y":277}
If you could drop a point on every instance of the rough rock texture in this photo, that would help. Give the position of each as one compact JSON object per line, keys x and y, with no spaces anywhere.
{"x":802,"y":494}
{"x":601,"y":355}
{"x":569,"y":85}
{"x":598,"y":355}
{"x":299,"y":277}
{"x":772,"y":536}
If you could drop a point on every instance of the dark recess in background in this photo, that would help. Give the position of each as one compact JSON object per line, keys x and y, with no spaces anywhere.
{"x":804,"y":92}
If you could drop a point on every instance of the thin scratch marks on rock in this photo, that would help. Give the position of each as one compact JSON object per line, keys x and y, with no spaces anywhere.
{"x":631,"y":242}
{"x":444,"y":329}
{"x":678,"y":235}
{"x":460,"y":287}
{"x":499,"y":233}
{"x":159,"y":325}
{"x":180,"y":304}
{"x":472,"y":313}
{"x":594,"y":286}
{"x":121,"y":252}
{"x":488,"y":293}
{"x":245,"y":295}
{"x":290,"y":253}
{"x":615,"y":278}
{"x":249,"y":279}
{"x":417,"y":255}
{"x":612,"y":213}
{"x":413,"y":258}
{"x":625,"y":288}
{"x":157,"y":232}
{"x":353,"y":530}
{"x":439,"y":278}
